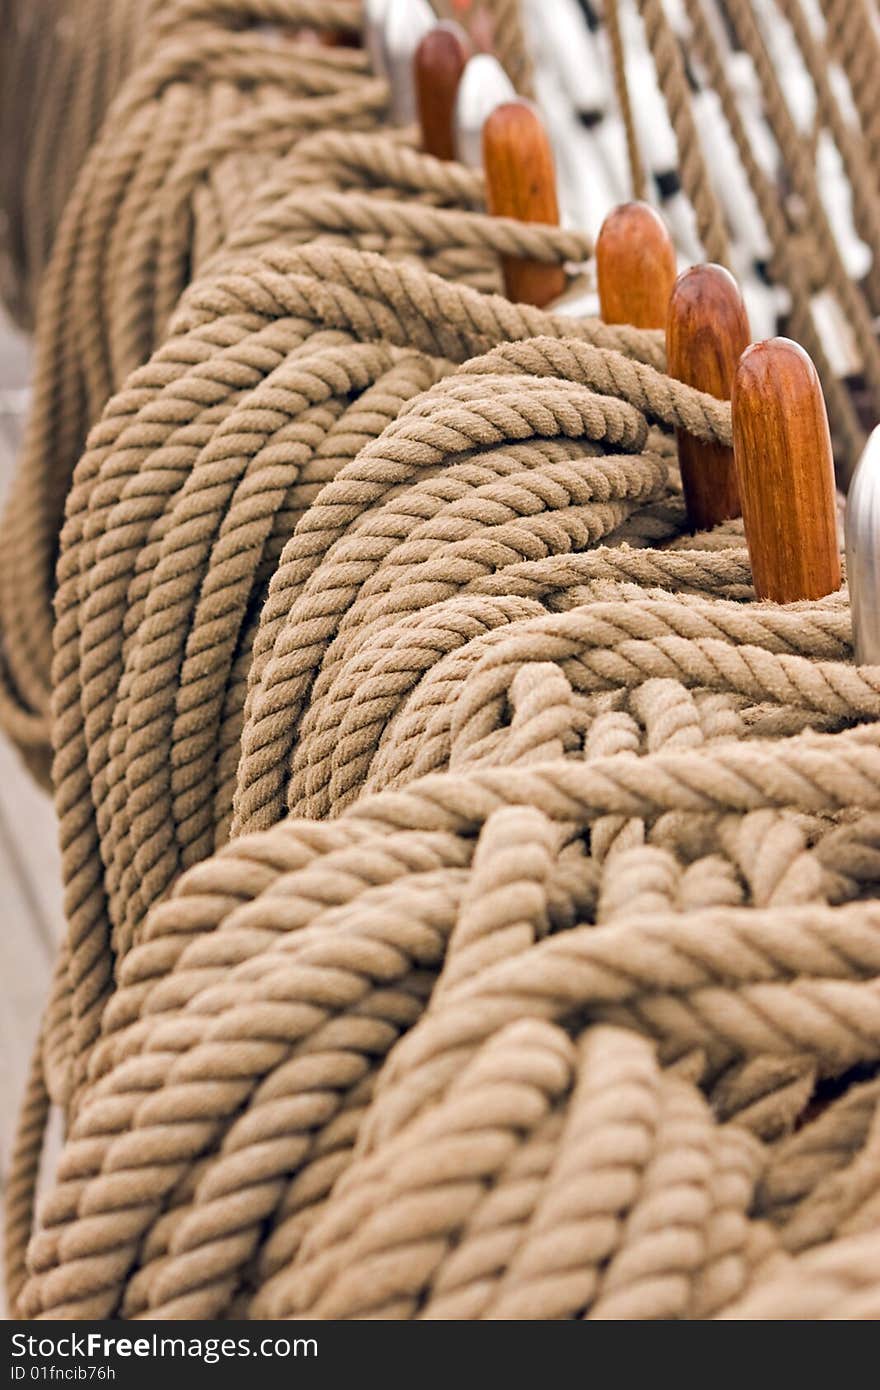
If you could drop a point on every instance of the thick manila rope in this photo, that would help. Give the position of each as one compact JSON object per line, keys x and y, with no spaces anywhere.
{"x":771,"y":858}
{"x":191,"y":133}
{"x":62,"y":65}
{"x":242,"y":1149}
{"x":356,"y":338}
{"x":803,"y":689}
{"x":769,"y":687}
{"x":213,"y":181}
{"x":850,"y":143}
{"x":221,"y":95}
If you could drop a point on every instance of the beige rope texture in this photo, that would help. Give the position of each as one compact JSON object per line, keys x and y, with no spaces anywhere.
{"x":470,"y":886}
{"x":237,"y":1068}
{"x":203,"y":120}
{"x":193,"y":134}
{"x":183,"y":190}
{"x":637,"y":175}
{"x":748,"y":821}
{"x":322,"y":405}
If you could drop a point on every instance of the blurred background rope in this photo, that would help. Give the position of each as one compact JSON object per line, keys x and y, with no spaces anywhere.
{"x":61,"y":68}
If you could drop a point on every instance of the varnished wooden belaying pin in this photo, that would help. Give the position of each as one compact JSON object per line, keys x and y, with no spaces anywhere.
{"x":635,"y":266}
{"x":707,"y":330}
{"x":785,"y":470}
{"x":521,"y":183}
{"x":439,"y":62}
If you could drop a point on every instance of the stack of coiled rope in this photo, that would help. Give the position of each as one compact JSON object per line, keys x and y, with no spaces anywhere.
{"x":61,"y":67}
{"x":470,"y":887}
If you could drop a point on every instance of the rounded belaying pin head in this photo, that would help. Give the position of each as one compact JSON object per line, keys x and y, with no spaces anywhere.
{"x":862,"y":526}
{"x":785,"y":471}
{"x":406,"y":24}
{"x":707,"y":331}
{"x":635,"y":266}
{"x":484,"y":85}
{"x":439,"y":62}
{"x":521,"y":183}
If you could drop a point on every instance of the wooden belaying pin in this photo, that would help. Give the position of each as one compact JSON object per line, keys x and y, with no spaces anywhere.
{"x":484,"y":85}
{"x":785,"y":471}
{"x":521,"y":183}
{"x":635,"y":266}
{"x":439,"y":62}
{"x":707,"y":331}
{"x":863,"y":553}
{"x":406,"y":24}
{"x":339,"y":38}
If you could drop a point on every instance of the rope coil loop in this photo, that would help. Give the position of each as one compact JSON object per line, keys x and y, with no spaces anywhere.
{"x":471,"y":888}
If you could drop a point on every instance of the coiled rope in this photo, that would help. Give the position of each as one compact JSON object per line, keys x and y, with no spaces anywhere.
{"x":672,"y":739}
{"x":60,"y":73}
{"x":470,"y":887}
{"x":241,"y":1148}
{"x":199,"y":126}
